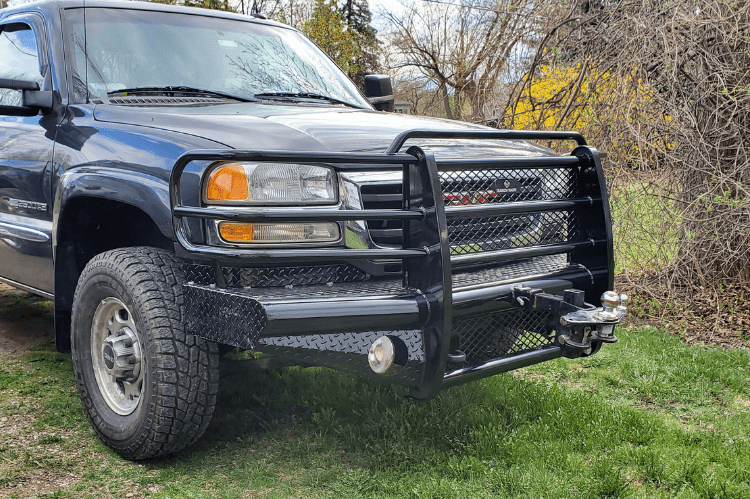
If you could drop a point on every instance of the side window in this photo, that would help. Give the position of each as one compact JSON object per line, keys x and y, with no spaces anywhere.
{"x":19,"y":60}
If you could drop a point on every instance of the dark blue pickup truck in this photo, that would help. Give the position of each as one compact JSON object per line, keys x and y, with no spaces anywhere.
{"x":182,"y":182}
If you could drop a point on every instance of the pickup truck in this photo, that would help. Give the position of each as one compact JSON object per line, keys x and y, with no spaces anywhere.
{"x":183,"y":182}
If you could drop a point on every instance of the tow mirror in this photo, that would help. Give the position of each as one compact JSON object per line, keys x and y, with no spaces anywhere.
{"x":379,"y":92}
{"x":33,"y":100}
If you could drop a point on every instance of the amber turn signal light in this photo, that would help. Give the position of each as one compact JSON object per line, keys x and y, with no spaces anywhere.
{"x":236,"y":232}
{"x":228,"y":183}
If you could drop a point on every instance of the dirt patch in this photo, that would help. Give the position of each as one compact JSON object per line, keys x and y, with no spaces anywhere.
{"x":37,"y":483}
{"x":25,"y":320}
{"x":20,"y":469}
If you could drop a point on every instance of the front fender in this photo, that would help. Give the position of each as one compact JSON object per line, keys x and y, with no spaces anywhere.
{"x":145,"y":192}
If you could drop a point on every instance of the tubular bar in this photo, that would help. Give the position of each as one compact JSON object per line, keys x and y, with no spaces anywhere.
{"x":519,"y":253}
{"x":302,"y":254}
{"x":290,"y":215}
{"x":503,"y":364}
{"x":372,"y":161}
{"x":495,"y":209}
{"x":401,"y":138}
{"x":510,"y":163}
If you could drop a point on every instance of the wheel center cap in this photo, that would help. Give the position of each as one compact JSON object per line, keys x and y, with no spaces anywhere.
{"x":121,"y":354}
{"x":108,"y":354}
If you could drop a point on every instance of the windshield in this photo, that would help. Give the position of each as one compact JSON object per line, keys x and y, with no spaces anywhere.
{"x":130,"y":49}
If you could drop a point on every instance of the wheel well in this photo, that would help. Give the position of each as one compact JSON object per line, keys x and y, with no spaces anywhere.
{"x":87,"y":227}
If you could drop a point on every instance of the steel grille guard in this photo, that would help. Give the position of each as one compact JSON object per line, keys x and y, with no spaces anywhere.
{"x":428,"y":302}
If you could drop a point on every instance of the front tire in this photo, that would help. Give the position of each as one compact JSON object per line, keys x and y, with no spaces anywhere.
{"x":147,"y":387}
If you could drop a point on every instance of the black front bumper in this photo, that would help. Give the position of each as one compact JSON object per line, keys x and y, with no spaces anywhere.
{"x":453,"y":315}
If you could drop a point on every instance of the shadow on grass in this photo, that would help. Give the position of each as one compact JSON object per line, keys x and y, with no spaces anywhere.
{"x":303,"y":432}
{"x":25,"y":320}
{"x":614,"y":431}
{"x":512,"y":435}
{"x":502,"y":418}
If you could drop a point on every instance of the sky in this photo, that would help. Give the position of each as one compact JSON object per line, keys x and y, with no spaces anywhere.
{"x":377,"y":6}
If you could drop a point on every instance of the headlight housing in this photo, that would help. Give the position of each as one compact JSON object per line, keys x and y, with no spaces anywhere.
{"x":281,"y":233}
{"x":274,"y":184}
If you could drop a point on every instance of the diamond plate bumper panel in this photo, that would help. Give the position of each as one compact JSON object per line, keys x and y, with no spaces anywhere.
{"x":223,"y":316}
{"x":358,"y":343}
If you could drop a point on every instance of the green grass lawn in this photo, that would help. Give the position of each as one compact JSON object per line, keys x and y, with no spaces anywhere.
{"x":647,"y":417}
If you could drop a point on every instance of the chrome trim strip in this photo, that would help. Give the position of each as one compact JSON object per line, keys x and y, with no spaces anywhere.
{"x":25,"y":233}
{"x":29,"y":289}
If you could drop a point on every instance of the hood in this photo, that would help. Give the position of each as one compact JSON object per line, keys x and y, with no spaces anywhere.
{"x":287,"y":127}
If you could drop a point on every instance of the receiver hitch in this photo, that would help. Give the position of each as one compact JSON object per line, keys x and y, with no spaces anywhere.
{"x":580,"y":328}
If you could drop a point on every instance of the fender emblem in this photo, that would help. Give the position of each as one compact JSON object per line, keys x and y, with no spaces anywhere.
{"x":27,"y":205}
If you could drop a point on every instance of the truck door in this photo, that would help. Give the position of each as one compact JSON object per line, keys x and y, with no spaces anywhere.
{"x":26,"y":144}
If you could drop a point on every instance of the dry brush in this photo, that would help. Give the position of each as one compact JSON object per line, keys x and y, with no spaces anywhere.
{"x":664,"y":88}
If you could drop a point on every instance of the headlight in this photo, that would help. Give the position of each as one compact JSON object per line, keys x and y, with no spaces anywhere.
{"x":270,"y":184}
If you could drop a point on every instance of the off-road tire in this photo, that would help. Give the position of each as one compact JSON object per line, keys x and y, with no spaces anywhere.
{"x":180,"y":371}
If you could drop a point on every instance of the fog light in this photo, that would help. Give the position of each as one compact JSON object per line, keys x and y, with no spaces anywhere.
{"x":236,"y":232}
{"x":381,"y":355}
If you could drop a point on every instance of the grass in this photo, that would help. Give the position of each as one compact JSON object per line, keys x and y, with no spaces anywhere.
{"x":647,"y":417}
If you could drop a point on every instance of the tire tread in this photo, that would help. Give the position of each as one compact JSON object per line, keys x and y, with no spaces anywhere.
{"x":187,"y":376}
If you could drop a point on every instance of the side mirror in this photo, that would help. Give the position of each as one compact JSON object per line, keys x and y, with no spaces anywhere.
{"x":33,"y":100}
{"x":379,"y":92}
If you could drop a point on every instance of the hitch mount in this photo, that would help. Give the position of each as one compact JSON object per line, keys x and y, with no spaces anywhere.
{"x":579,"y":327}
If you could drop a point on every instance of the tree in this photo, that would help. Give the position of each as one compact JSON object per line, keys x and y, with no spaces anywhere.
{"x":663,"y":86}
{"x":464,"y":48}
{"x":209,"y":4}
{"x":295,"y":13}
{"x":358,"y":18}
{"x":329,"y":31}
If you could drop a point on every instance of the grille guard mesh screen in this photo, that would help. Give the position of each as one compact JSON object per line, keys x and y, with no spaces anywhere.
{"x":505,"y":186}
{"x":495,"y":335}
{"x":487,"y":187}
{"x":471,"y":235}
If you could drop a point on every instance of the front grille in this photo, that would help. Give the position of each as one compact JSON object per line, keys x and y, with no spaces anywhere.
{"x":466,"y":188}
{"x":386,"y":196}
{"x":484,"y":187}
{"x":501,"y":333}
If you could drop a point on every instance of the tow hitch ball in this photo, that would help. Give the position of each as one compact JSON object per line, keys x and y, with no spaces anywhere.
{"x":579,"y":327}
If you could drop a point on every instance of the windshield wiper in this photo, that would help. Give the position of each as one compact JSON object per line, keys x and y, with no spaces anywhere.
{"x":304,"y":95}
{"x":177,"y":90}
